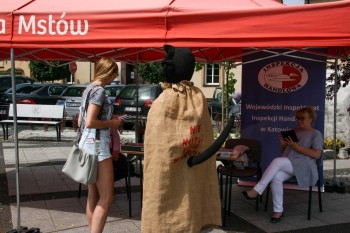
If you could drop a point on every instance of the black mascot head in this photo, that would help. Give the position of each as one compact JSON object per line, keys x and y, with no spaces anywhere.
{"x":178,"y":64}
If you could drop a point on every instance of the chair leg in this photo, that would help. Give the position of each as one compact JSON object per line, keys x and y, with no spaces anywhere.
{"x":79,"y":191}
{"x":3,"y":131}
{"x":127,"y":187}
{"x":222,"y":188}
{"x":257,"y":198}
{"x":319,"y":195}
{"x":225,"y":203}
{"x":267,"y":197}
{"x":229,"y":197}
{"x":7,"y":132}
{"x":309,"y":204}
{"x":221,"y":183}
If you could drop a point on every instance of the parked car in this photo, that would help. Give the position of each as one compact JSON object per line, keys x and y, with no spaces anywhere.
{"x":125,"y":102}
{"x":71,"y":99}
{"x":6,"y":83}
{"x":36,"y":93}
{"x":112,"y":91}
{"x":18,"y":86}
{"x":4,"y":107}
{"x":115,"y":82}
{"x":215,"y":105}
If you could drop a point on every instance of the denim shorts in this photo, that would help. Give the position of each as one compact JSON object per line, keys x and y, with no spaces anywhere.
{"x":100,"y":147}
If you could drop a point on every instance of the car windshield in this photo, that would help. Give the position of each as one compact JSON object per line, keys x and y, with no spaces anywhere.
{"x":74,"y":91}
{"x":56,"y":90}
{"x":18,"y":86}
{"x":27,"y":89}
{"x":130,"y":93}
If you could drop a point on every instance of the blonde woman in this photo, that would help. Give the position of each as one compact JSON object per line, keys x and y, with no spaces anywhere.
{"x":298,"y":159}
{"x":95,"y":138}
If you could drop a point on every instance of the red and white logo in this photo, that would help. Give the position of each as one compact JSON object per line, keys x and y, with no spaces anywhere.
{"x":283,"y":77}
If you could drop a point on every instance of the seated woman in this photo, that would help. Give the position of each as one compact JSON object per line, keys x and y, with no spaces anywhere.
{"x":298,"y":159}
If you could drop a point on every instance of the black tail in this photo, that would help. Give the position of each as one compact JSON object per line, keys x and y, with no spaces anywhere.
{"x":210,"y":151}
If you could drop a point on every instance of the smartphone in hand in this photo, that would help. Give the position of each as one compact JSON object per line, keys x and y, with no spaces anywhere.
{"x":124,"y":117}
{"x":291,"y":134}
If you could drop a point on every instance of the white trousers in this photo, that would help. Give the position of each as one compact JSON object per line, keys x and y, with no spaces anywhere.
{"x":279,"y":170}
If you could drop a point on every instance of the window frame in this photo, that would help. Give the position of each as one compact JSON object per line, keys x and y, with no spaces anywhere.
{"x":214,"y":73}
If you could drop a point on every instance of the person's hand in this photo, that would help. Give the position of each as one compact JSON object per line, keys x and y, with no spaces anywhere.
{"x":116,"y":123}
{"x":115,"y":155}
{"x":121,"y":126}
{"x":283,"y":142}
{"x":291,"y":143}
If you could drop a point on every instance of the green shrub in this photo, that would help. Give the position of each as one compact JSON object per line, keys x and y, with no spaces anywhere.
{"x":328,"y":144}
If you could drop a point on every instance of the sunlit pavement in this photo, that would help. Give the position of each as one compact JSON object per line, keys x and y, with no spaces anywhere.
{"x":48,"y":199}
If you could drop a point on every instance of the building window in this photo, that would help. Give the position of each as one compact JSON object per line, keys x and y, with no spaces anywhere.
{"x":212,"y":74}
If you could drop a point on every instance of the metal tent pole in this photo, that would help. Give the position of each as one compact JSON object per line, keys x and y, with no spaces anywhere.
{"x":222,"y":97}
{"x":15,"y":137}
{"x":335,"y":119}
{"x":137,"y":136}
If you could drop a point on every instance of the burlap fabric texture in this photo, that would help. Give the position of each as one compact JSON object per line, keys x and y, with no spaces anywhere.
{"x":177,"y":198}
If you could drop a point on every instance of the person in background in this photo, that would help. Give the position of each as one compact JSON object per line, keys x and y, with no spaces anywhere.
{"x":298,"y":159}
{"x":114,"y":144}
{"x":95,"y":139}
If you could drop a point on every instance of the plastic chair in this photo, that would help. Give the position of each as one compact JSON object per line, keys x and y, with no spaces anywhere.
{"x":254,"y":170}
{"x":293,"y":179}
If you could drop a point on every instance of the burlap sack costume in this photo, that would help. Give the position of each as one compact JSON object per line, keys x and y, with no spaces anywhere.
{"x":177,"y":198}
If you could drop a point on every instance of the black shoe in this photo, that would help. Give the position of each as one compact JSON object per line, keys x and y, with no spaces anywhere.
{"x":246,"y":196}
{"x":276,"y":220}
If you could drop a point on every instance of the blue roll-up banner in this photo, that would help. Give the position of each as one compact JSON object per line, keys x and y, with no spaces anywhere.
{"x":272,"y":90}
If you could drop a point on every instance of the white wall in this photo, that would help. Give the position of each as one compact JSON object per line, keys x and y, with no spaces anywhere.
{"x":85,"y":72}
{"x":198,"y":80}
{"x":24,"y":65}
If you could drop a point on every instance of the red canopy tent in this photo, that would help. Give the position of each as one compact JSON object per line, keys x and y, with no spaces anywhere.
{"x":7,"y":7}
{"x":237,"y":24}
{"x":136,"y":31}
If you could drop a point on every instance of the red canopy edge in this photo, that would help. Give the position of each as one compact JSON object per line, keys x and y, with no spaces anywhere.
{"x":135,"y":31}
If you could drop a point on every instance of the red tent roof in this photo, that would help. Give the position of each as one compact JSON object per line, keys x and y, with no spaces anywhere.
{"x":7,"y":6}
{"x":136,"y":30}
{"x":239,"y":24}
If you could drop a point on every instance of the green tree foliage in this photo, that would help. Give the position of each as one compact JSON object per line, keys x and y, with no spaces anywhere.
{"x":44,"y":72}
{"x":151,"y":72}
{"x":342,"y":80}
{"x":199,"y":66}
{"x":229,"y":87}
{"x":230,"y":78}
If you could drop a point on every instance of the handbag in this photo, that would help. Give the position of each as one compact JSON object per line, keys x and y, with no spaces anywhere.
{"x":121,"y":164}
{"x":80,"y":165}
{"x":120,"y":168}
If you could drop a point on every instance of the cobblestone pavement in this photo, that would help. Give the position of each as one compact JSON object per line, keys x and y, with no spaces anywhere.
{"x":49,"y":199}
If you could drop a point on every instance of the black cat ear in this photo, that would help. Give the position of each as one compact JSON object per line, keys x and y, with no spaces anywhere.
{"x":168,"y":71}
{"x":178,"y":64}
{"x":168,"y":65}
{"x":170,"y":51}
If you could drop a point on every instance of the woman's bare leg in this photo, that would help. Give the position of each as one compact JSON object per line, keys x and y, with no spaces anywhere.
{"x":92,"y":199}
{"x":105,"y":189}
